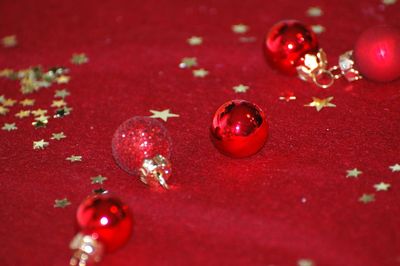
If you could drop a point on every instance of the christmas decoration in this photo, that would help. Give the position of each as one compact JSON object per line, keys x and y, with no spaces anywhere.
{"x":239,"y":128}
{"x":141,"y":146}
{"x":105,"y":224}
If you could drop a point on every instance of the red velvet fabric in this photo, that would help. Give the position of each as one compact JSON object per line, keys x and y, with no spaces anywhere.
{"x":220,"y":211}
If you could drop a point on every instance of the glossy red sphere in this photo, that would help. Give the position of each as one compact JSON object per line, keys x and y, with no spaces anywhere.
{"x":286,"y":43}
{"x":137,"y":139}
{"x":377,"y":53}
{"x":106,"y":219}
{"x":239,"y":128}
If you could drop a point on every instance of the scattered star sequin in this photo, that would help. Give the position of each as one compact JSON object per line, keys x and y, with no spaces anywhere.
{"x":39,"y":112}
{"x":367,"y":198}
{"x":389,"y":2}
{"x":58,"y":103}
{"x":240,"y":88}
{"x":163,"y":115}
{"x":61,"y":93}
{"x":39,"y":123}
{"x":305,"y":262}
{"x":3,"y":110}
{"x":382,"y":186}
{"x":200,"y":73}
{"x":9,"y":102}
{"x":9,"y":127}
{"x":319,"y":104}
{"x":195,"y":40}
{"x":63,"y":79}
{"x":353,"y":173}
{"x":188,"y":62}
{"x":318,"y":29}
{"x":23,"y":113}
{"x":9,"y":41}
{"x":61,"y":203}
{"x":79,"y":59}
{"x":2,"y":98}
{"x":27,"y":102}
{"x":240,"y":28}
{"x":74,"y":158}
{"x":395,"y":167}
{"x":40,"y":145}
{"x":287,"y":96}
{"x":58,"y":136}
{"x":314,"y":11}
{"x":98,"y":179}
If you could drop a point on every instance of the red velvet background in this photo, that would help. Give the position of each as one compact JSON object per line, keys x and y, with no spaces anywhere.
{"x":221,"y":211}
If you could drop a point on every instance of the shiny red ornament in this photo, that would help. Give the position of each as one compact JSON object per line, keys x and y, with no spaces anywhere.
{"x":239,"y":128}
{"x":377,"y":53}
{"x":286,"y":44}
{"x":142,"y":146}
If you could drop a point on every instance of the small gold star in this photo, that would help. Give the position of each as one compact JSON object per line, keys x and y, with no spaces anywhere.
{"x":2,"y":98}
{"x":163,"y":115}
{"x":61,"y":203}
{"x":9,"y":127}
{"x":79,"y":59}
{"x":188,"y":62}
{"x":314,"y":11}
{"x":305,"y":262}
{"x":39,"y":112}
{"x":200,"y":73}
{"x":40,"y":123}
{"x":74,"y":158}
{"x":23,"y":113}
{"x":61,"y":93}
{"x":395,"y":167}
{"x":98,"y":179}
{"x":62,"y":79}
{"x":318,"y":29}
{"x":389,"y":2}
{"x":40,"y":145}
{"x":7,"y":72}
{"x":240,"y":88}
{"x":195,"y":40}
{"x":367,"y":198}
{"x":3,"y":110}
{"x":27,"y":102}
{"x":58,"y":136}
{"x":240,"y":28}
{"x":58,"y":103}
{"x":319,"y":104}
{"x":9,"y":41}
{"x":9,"y":102}
{"x":353,"y":173}
{"x":382,"y":186}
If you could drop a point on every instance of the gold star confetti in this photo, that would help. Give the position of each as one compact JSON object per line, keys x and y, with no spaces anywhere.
{"x":40,"y":123}
{"x":314,"y":11}
{"x":305,"y":262}
{"x":395,"y":167}
{"x":9,"y":41}
{"x":2,"y":98}
{"x":61,"y":93}
{"x":367,"y":198}
{"x":200,"y":73}
{"x":9,"y":127}
{"x":39,"y":112}
{"x":240,"y":88}
{"x":389,"y":2}
{"x":9,"y":102}
{"x":62,"y":112}
{"x":58,"y":136}
{"x":318,"y":29}
{"x":3,"y":110}
{"x":98,"y":179}
{"x":58,"y":103}
{"x":287,"y":96}
{"x":321,"y":103}
{"x":61,"y":203}
{"x":188,"y":62}
{"x":195,"y":40}
{"x":27,"y":102}
{"x":79,"y":59}
{"x":23,"y":113}
{"x":382,"y":186}
{"x":42,"y":118}
{"x":163,"y":115}
{"x":7,"y":73}
{"x":353,"y":173}
{"x":240,"y":28}
{"x":40,"y":145}
{"x":63,"y":79}
{"x":74,"y":158}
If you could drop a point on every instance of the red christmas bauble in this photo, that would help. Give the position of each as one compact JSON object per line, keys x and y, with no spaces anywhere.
{"x":286,"y":43}
{"x":137,"y":139}
{"x":106,"y":219}
{"x":377,"y":53}
{"x":239,"y":128}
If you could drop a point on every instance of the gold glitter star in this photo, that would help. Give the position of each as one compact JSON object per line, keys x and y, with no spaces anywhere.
{"x":40,"y":123}
{"x":314,"y":11}
{"x":27,"y":102}
{"x":200,"y":73}
{"x":2,"y":98}
{"x":240,"y":88}
{"x":7,"y":72}
{"x":79,"y":59}
{"x":382,"y":186}
{"x":40,"y":145}
{"x":62,"y":79}
{"x":9,"y":102}
{"x":74,"y":158}
{"x":389,"y":2}
{"x":195,"y":40}
{"x":98,"y":179}
{"x":3,"y":110}
{"x":58,"y":103}
{"x":61,"y":203}
{"x":9,"y":127}
{"x":321,"y":103}
{"x":58,"y":136}
{"x":318,"y":29}
{"x":61,"y":93}
{"x":188,"y":62}
{"x":287,"y":96}
{"x":9,"y":41}
{"x":39,"y":112}
{"x":367,"y":198}
{"x":163,"y":115}
{"x":353,"y":173}
{"x":395,"y":167}
{"x":305,"y":262}
{"x":23,"y":113}
{"x":240,"y":28}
